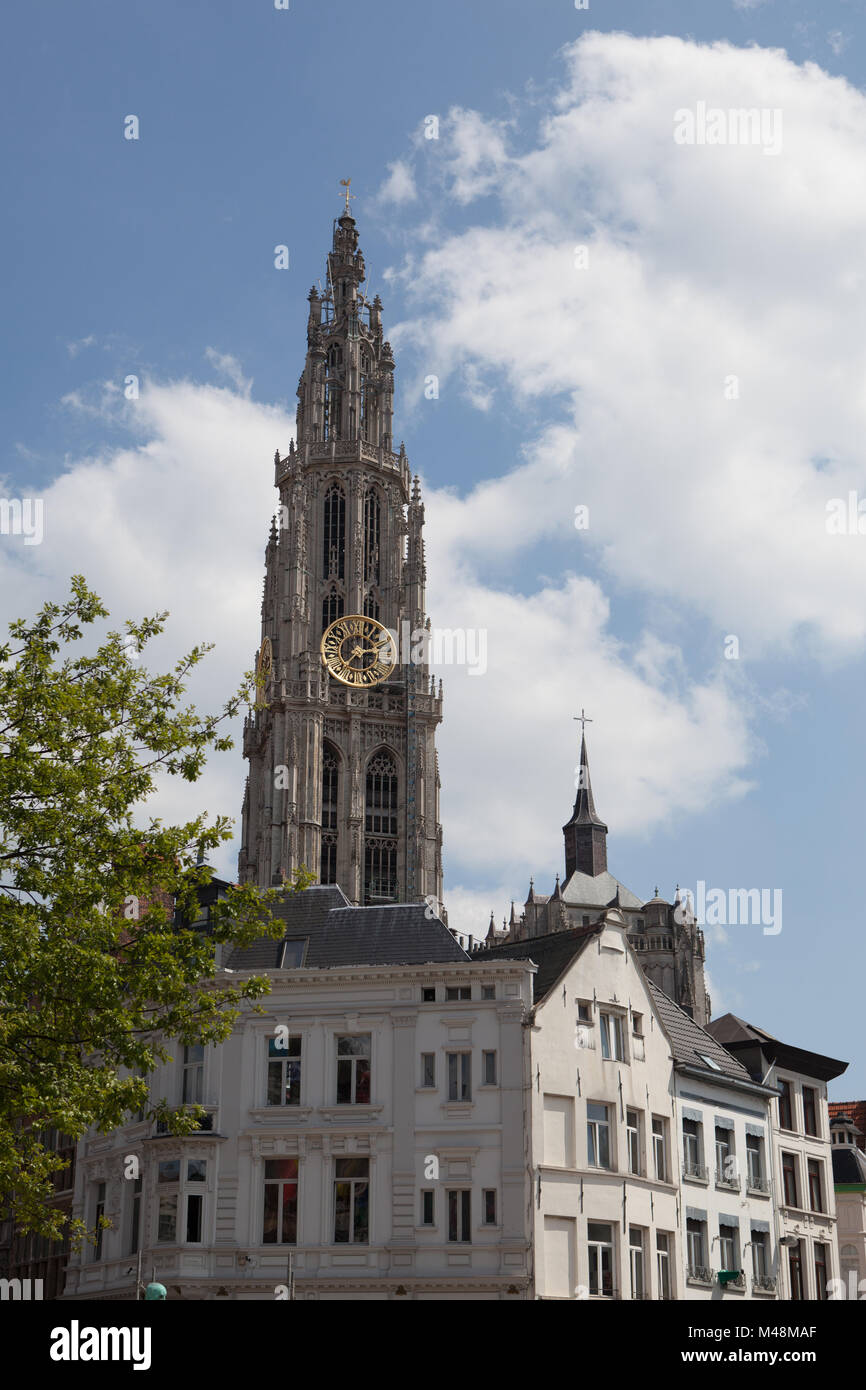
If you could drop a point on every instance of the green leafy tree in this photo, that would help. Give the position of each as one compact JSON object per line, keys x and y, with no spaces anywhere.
{"x":92,"y":995}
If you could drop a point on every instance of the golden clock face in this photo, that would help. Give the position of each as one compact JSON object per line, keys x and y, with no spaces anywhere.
{"x":266,"y":659}
{"x":358,"y":650}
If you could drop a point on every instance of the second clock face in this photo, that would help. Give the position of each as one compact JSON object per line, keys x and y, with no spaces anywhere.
{"x":358,"y":650}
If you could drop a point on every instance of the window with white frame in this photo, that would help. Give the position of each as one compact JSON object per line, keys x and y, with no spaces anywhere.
{"x":599,"y":1237}
{"x":726,"y":1163}
{"x":632,"y":1130}
{"x":353,"y":1069}
{"x":692,"y":1166}
{"x":181,"y":1185}
{"x":598,"y":1135}
{"x":729,"y":1254}
{"x":816,"y":1184}
{"x":193,"y":1075}
{"x":459,"y":1075}
{"x":610,"y":1026}
{"x":280,"y":1209}
{"x":696,"y":1246}
{"x":660,"y":1148}
{"x":284,"y":1070}
{"x":352,"y":1201}
{"x":755,"y":1161}
{"x":760,"y":1256}
{"x":635,"y":1259}
{"x":663,"y":1264}
{"x":811,"y":1111}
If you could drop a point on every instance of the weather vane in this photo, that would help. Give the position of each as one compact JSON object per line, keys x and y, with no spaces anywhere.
{"x":345,"y":184}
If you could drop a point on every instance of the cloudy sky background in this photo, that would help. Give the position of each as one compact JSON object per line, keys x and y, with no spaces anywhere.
{"x":599,"y":379}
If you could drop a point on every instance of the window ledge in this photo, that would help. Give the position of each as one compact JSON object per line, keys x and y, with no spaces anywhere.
{"x":281,"y":1112}
{"x":347,"y":1110}
{"x":456,"y":1107}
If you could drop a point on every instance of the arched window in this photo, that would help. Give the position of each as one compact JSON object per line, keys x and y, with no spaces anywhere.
{"x":330,"y":787}
{"x":366,"y":398}
{"x":380,"y":827}
{"x":333,"y":394}
{"x":332,"y":606}
{"x":334,"y":535}
{"x":371,"y":604}
{"x":372,"y":535}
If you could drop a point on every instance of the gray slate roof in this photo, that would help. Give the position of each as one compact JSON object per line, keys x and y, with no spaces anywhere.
{"x":688,"y":1040}
{"x":586,"y":890}
{"x":553,"y":954}
{"x":339,"y":934}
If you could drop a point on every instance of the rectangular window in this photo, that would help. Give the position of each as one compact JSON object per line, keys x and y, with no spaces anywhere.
{"x":820,"y":1271}
{"x":488,"y":1068}
{"x":280,"y":1211}
{"x":98,"y":1213}
{"x":637,"y":1025}
{"x":353,"y":1070}
{"x":135,"y":1218}
{"x":816,"y":1185}
{"x":728,"y":1242}
{"x":459,"y":1075}
{"x":810,"y":1110}
{"x":284,"y":1070}
{"x":660,"y":1146}
{"x":789,"y":1180}
{"x":692,"y":1148}
{"x":488,"y":1197}
{"x":597,"y":1135}
{"x":193,"y":1074}
{"x":726,"y":1163}
{"x":352,"y":1201}
{"x":584,"y":1011}
{"x":600,"y":1249}
{"x":488,"y":991}
{"x":169,"y":1170}
{"x":167,"y":1228}
{"x":786,"y":1106}
{"x":760,"y":1260}
{"x":611,"y":1037}
{"x":196,"y":1170}
{"x":194,"y":1210}
{"x":453,"y":992}
{"x":663,"y":1263}
{"x":459,"y":1208}
{"x":635,"y":1257}
{"x":632,"y":1122}
{"x":795,"y":1271}
{"x":755,"y":1160}
{"x":428,"y":1068}
{"x":696,"y":1246}
{"x":427,"y":1207}
{"x":428,"y":994}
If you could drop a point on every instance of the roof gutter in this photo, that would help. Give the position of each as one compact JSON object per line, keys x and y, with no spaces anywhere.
{"x":702,"y":1074}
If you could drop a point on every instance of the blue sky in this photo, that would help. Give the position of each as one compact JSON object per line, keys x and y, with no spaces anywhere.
{"x":155,"y":257}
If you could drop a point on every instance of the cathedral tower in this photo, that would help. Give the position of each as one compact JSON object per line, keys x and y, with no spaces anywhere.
{"x":344,"y":780}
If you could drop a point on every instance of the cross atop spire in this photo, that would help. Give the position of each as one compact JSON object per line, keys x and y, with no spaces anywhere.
{"x":586,"y":833}
{"x":582,"y":719}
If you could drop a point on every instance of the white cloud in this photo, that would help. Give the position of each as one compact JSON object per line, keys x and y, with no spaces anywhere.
{"x":838,"y":41}
{"x":399,"y":187}
{"x":80,"y":344}
{"x":705,"y":264}
{"x":230,"y":368}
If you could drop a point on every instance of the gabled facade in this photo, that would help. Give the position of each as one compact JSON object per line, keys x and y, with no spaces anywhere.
{"x":605,"y":1200}
{"x":802,"y":1160}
